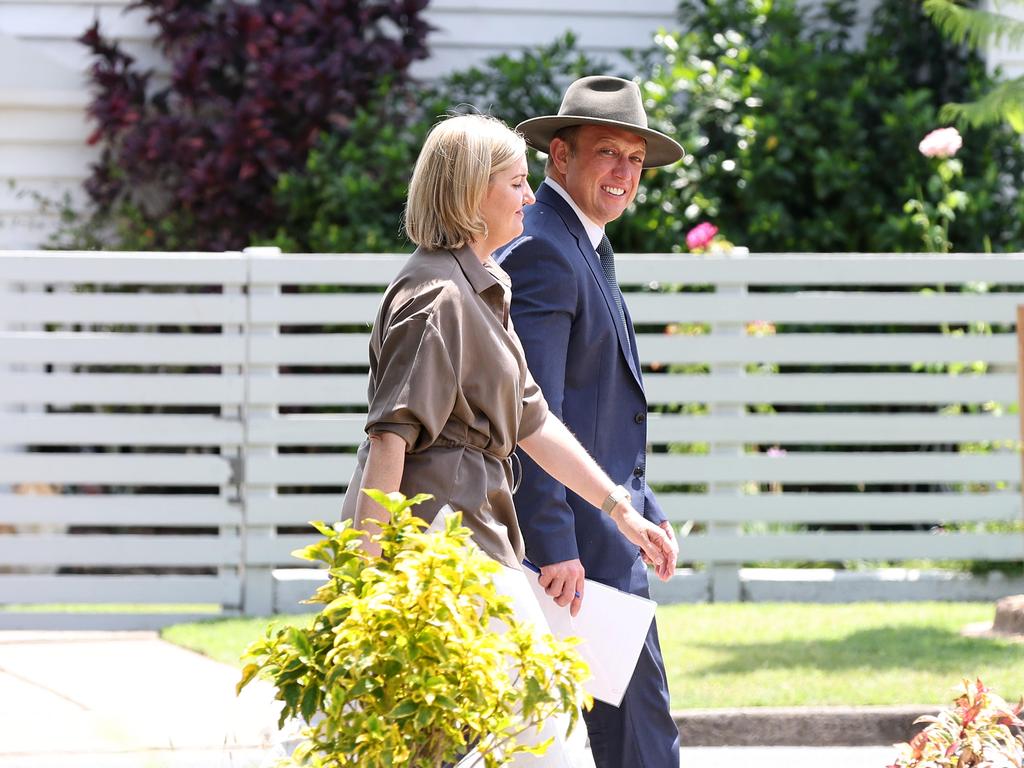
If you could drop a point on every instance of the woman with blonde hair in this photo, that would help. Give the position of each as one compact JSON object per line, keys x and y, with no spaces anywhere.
{"x":450,"y":394}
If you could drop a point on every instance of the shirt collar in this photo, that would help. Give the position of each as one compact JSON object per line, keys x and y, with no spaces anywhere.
{"x":594,"y":232}
{"x":481,"y":276}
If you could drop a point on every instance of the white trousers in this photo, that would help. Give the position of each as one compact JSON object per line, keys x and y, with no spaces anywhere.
{"x":570,"y":751}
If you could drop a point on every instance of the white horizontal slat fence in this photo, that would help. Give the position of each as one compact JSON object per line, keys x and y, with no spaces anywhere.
{"x":121,"y":391}
{"x":869,"y":435}
{"x":171,"y":422}
{"x":834,"y":408}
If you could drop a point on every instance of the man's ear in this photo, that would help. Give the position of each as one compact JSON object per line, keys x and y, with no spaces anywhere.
{"x":559,"y":154}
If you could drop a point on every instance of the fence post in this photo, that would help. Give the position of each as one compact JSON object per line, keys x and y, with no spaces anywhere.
{"x":258,"y":579}
{"x":725,"y":576}
{"x":15,"y":402}
{"x":7,"y":405}
{"x":233,"y":453}
{"x":1020,"y":389}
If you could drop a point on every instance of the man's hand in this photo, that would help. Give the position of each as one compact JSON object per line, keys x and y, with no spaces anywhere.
{"x":668,"y":566}
{"x":657,"y":546}
{"x":564,"y":582}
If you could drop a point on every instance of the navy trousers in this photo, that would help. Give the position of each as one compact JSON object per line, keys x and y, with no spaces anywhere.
{"x":640,"y":733}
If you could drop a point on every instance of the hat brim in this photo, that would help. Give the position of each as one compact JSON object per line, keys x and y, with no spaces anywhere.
{"x":538,"y":132}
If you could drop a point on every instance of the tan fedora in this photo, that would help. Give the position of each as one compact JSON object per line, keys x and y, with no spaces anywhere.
{"x":602,"y":100}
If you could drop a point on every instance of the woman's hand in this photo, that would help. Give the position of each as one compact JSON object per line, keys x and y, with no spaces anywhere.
{"x":658,"y":547}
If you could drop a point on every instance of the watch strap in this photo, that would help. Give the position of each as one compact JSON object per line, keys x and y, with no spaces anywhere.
{"x":618,"y":494}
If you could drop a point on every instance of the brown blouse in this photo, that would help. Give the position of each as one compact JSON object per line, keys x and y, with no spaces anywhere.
{"x":448,"y":375}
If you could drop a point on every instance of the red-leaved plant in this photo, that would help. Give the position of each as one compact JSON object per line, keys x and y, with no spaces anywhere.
{"x":975,"y":731}
{"x":252,"y":83}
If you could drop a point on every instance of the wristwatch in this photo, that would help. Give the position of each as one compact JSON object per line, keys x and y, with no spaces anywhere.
{"x":618,"y":494}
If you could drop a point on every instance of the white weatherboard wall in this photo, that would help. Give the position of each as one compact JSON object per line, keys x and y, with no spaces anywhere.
{"x":1009,"y":59}
{"x":167,"y":437}
{"x":42,"y":75}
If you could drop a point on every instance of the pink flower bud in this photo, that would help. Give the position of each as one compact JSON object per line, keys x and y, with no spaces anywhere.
{"x":942,"y":142}
{"x":701,"y":236}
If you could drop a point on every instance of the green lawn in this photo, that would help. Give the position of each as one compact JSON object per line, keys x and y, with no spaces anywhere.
{"x":225,"y":639}
{"x":803,"y":654}
{"x":781,"y":654}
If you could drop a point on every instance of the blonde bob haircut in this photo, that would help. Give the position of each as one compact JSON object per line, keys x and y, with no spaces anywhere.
{"x":450,"y":180}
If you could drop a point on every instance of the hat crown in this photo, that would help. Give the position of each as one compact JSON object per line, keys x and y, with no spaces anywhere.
{"x":608,"y":101}
{"x":604,"y":98}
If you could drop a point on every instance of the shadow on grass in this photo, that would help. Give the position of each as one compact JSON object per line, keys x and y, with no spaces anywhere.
{"x":927,"y":649}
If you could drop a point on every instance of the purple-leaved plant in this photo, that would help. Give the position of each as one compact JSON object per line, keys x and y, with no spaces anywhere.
{"x":251,"y":86}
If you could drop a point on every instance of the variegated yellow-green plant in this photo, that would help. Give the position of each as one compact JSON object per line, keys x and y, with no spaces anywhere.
{"x":402,"y":666}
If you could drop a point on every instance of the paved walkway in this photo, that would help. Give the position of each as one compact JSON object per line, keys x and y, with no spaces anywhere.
{"x":124,"y":699}
{"x":130,"y":700}
{"x":787,"y":757}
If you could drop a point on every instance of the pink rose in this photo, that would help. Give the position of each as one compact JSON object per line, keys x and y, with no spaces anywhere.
{"x":942,"y":142}
{"x":701,"y":236}
{"x":760,"y":328}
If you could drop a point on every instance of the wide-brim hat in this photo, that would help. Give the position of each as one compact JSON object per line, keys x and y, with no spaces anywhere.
{"x":602,"y":100}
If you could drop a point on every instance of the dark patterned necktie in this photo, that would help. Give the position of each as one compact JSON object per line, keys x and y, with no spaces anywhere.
{"x":607,"y":255}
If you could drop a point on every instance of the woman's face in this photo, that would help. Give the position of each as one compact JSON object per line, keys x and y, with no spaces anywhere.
{"x":502,"y":208}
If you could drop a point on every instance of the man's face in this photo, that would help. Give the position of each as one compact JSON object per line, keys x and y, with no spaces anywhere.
{"x":603,"y":175}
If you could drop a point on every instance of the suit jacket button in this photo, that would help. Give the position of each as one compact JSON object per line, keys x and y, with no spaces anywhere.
{"x":639,"y":417}
{"x":638,"y":472}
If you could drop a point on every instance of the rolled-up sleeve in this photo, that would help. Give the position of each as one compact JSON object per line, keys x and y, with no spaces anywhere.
{"x":415,"y":383}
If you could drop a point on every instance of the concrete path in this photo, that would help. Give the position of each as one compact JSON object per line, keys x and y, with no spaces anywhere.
{"x":787,"y":757}
{"x":130,"y":700}
{"x":124,"y":699}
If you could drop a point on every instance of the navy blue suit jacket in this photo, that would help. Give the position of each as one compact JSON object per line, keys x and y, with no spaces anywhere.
{"x":587,"y":365}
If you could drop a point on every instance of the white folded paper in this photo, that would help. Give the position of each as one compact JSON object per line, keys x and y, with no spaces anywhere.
{"x":612,"y":626}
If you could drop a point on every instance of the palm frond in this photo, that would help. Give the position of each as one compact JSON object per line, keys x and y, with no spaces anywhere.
{"x":1004,"y":102}
{"x":973,"y":26}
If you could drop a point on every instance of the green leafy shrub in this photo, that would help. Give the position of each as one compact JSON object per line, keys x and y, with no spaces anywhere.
{"x":524,"y":85}
{"x":798,"y":139}
{"x":516,"y":87}
{"x":351,"y":192}
{"x":402,"y":662}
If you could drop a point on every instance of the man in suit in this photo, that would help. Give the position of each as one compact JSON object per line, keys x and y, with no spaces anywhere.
{"x":581,"y":348}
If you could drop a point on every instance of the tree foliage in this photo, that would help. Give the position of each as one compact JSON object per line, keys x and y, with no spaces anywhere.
{"x":978,"y":28}
{"x":1005,"y":101}
{"x":799,"y":139}
{"x":350,"y":194}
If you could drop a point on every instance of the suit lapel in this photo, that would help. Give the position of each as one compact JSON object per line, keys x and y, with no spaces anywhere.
{"x":548,"y":196}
